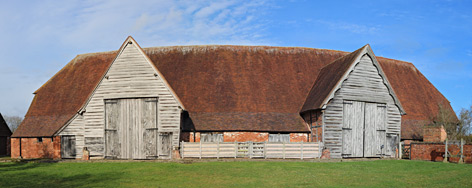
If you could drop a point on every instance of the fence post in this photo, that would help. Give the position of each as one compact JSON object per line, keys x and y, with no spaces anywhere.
{"x":235,"y":149}
{"x":218,"y":149}
{"x":283,"y":150}
{"x":319,"y":149}
{"x":302,"y":151}
{"x":200,"y":150}
{"x":265,"y":150}
{"x":249,"y":149}
{"x":400,"y":150}
{"x":445,"y":153}
{"x":461,"y":160}
{"x":182,"y":150}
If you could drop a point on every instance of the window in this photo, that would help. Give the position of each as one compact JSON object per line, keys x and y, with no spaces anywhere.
{"x":279,"y":137}
{"x":211,"y":137}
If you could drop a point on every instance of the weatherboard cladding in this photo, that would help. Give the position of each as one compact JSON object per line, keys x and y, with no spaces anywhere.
{"x":223,"y":79}
{"x":4,"y":130}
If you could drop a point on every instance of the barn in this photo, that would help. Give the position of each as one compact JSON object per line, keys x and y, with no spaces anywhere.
{"x":5,"y":134}
{"x":141,"y":103}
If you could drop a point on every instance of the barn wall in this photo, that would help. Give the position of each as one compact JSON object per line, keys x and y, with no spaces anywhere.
{"x":130,"y":76}
{"x":31,"y":148}
{"x":244,"y":137}
{"x":364,"y":83}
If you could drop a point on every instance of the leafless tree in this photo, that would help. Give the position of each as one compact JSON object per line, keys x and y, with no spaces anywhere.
{"x":13,"y":122}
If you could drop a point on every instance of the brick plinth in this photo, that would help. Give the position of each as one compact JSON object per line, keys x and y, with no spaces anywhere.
{"x":32,"y":148}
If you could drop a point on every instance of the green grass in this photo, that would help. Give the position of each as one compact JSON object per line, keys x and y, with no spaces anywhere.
{"x":380,"y":173}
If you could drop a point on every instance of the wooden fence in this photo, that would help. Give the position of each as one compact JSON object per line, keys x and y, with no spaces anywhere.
{"x":294,"y":150}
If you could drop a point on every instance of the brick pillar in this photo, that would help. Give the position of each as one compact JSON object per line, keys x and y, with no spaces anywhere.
{"x":15,"y":147}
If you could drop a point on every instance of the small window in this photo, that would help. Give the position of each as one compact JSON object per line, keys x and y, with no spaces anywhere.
{"x":211,"y":137}
{"x":279,"y":137}
{"x":40,"y":139}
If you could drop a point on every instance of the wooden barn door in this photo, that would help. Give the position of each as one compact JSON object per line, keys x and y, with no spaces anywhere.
{"x":364,"y":129}
{"x":375,"y":129}
{"x":68,"y":150}
{"x":353,"y":129}
{"x":131,"y":128}
{"x":113,"y":129}
{"x":165,"y":145}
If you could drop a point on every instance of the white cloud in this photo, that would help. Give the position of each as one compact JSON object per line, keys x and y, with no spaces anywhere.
{"x":40,"y":37}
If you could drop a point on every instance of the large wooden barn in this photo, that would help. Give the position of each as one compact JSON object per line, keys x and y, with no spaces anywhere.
{"x":140,"y":103}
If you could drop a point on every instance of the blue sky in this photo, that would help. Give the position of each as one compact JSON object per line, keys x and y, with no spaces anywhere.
{"x":40,"y":37}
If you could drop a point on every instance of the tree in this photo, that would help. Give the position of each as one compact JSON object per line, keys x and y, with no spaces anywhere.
{"x":465,"y":123}
{"x":13,"y":122}
{"x":456,"y":128}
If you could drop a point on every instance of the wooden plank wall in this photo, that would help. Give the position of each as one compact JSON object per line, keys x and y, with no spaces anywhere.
{"x":130,"y":76}
{"x":364,"y":83}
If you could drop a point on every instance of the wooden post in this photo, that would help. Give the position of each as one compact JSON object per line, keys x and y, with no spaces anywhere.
{"x":218,"y":149}
{"x":182,"y":150}
{"x":249,"y":149}
{"x":235,"y":149}
{"x":302,"y":151}
{"x":461,"y":160}
{"x":400,"y":150}
{"x":200,"y":149}
{"x":265,"y":146}
{"x":445,"y":153}
{"x":283,"y":150}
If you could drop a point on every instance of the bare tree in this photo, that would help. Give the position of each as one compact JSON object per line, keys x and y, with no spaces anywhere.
{"x":455,"y":128}
{"x":465,"y":123}
{"x":13,"y":122}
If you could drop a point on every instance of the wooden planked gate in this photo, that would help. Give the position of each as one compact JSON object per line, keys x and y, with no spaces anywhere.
{"x":277,"y":150}
{"x":364,"y":129}
{"x":131,"y":130}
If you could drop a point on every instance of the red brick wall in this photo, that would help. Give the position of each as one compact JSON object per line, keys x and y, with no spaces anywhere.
{"x":435,"y":152}
{"x":434,"y":134}
{"x":31,"y":148}
{"x":298,"y":137}
{"x":244,"y":137}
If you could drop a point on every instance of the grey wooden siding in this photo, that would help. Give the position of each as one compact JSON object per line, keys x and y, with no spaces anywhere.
{"x":130,"y":76}
{"x":365,"y":84}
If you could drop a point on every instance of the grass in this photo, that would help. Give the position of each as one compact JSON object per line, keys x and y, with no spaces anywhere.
{"x":380,"y":173}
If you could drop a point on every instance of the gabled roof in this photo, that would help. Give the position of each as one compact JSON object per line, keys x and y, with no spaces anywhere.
{"x":4,"y":130}
{"x":222,"y":79}
{"x":332,"y":75}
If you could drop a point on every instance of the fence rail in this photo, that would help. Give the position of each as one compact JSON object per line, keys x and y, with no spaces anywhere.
{"x":294,"y":150}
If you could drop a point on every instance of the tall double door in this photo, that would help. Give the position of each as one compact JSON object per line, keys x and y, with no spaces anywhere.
{"x":131,"y":130}
{"x":364,"y":129}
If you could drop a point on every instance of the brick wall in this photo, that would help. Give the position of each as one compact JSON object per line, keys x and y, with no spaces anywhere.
{"x":435,"y":152}
{"x":244,"y":137}
{"x":434,"y":134}
{"x":31,"y":148}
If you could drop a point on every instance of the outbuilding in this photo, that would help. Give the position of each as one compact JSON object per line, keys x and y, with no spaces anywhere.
{"x":5,"y":134}
{"x":140,"y":103}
